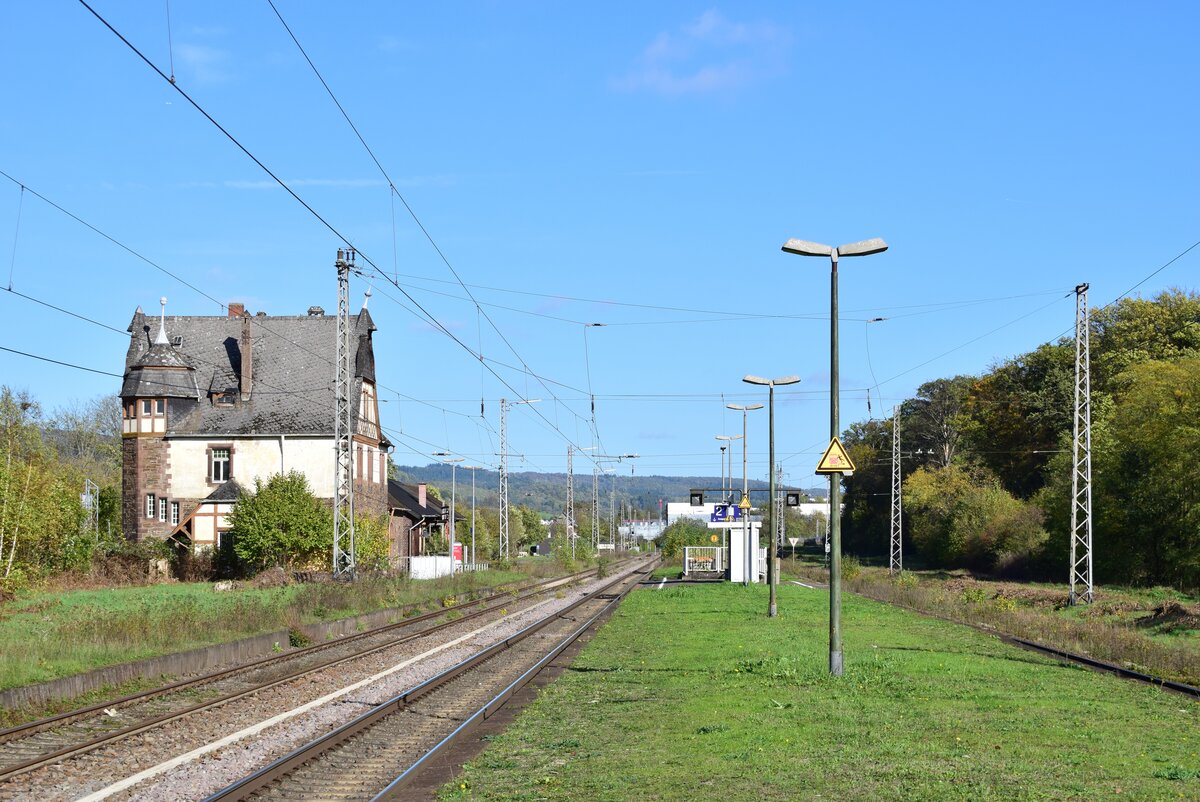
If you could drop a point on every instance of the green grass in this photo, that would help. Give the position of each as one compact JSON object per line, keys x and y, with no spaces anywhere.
{"x":691,"y":693}
{"x":47,"y":635}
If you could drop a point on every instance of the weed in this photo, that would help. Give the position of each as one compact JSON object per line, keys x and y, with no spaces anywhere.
{"x":297,"y":638}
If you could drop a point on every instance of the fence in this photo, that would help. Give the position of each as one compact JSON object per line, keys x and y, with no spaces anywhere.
{"x":703,"y":559}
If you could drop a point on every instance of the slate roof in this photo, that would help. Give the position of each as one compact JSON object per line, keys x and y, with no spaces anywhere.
{"x":226,"y":491}
{"x":404,"y":497}
{"x":292,"y":374}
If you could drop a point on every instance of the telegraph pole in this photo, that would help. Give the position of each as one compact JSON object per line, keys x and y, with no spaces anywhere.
{"x":897,"y":551}
{"x":1081,"y":463}
{"x":343,"y":499}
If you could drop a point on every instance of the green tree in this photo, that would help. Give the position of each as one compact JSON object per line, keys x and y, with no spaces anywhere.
{"x":1017,"y":414}
{"x":937,"y":418}
{"x":1147,"y":478}
{"x":1135,"y":330}
{"x":962,"y":517}
{"x":531,"y":530}
{"x":684,"y":532}
{"x":282,"y":523}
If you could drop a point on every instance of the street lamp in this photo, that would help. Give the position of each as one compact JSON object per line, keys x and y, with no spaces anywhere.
{"x":805,"y":248}
{"x":773,"y":557}
{"x":453,"y":486}
{"x":728,"y":441}
{"x":745,"y":505}
{"x":472,"y":469}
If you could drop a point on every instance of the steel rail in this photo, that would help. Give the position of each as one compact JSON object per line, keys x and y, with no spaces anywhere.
{"x":1034,"y":646}
{"x":21,"y":730}
{"x":285,"y":765}
{"x":501,"y":600}
{"x":394,"y":789}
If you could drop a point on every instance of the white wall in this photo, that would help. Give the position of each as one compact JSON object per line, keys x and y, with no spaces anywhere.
{"x":253,"y":458}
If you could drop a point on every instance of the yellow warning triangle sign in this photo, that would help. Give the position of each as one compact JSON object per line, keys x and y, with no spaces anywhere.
{"x":835,"y":459}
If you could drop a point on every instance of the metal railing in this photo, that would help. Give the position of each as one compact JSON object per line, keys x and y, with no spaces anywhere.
{"x":703,"y":559}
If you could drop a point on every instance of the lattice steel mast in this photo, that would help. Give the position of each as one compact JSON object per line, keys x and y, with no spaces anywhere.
{"x":595,"y":506}
{"x":1081,"y":464}
{"x":571,"y":498}
{"x":343,"y":499}
{"x":780,"y":521}
{"x":503,"y":478}
{"x":897,"y":551}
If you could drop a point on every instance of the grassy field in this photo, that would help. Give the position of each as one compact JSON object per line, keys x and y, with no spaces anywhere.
{"x":1154,"y":630}
{"x":691,"y":693}
{"x":54,"y":634}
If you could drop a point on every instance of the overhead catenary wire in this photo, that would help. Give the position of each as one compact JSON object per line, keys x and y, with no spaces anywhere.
{"x":412,"y":213}
{"x":431,"y":319}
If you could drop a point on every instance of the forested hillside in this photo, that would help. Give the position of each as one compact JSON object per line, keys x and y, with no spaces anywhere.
{"x":547,"y":492}
{"x":987,"y":459}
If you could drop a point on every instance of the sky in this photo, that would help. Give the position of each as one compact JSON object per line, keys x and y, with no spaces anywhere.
{"x":636,"y":165}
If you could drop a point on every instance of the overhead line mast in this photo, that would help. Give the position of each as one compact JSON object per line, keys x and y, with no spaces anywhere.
{"x":343,"y":499}
{"x":897,"y":551}
{"x":1081,"y":463}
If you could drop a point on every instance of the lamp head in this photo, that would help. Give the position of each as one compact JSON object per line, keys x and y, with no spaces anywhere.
{"x":864,"y":248}
{"x":806,"y":248}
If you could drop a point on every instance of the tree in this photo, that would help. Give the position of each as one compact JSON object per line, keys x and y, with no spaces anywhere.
{"x":1135,"y":330}
{"x":531,"y":530}
{"x":937,"y":420}
{"x":1016,"y":415}
{"x":281,"y":523}
{"x":1148,"y":476}
{"x":684,"y":532}
{"x":866,"y":519}
{"x":962,"y":518}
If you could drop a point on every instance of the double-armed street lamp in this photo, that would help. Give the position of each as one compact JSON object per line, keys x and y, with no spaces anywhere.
{"x":749,"y":560}
{"x":472,"y":469}
{"x":453,"y":462}
{"x":773,"y":556}
{"x":806,"y":248}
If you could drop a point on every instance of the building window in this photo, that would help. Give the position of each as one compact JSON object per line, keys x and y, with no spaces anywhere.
{"x":220,"y":464}
{"x":174,"y":513}
{"x":160,"y":407}
{"x":162,"y":509}
{"x":149,"y":505}
{"x":146,"y":407}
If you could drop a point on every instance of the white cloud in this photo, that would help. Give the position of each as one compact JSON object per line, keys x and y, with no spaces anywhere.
{"x":709,"y":54}
{"x":206,"y":65}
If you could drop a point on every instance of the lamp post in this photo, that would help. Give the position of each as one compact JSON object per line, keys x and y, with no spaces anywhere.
{"x":773,"y":556}
{"x":805,"y":248}
{"x":472,"y":469}
{"x":745,"y":505}
{"x":453,"y":461}
{"x":724,"y":495}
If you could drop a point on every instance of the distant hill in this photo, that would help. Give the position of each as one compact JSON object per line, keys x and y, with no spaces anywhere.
{"x":547,"y":492}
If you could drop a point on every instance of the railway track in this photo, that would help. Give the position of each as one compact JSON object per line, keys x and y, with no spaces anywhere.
{"x":40,"y":743}
{"x":376,"y":755}
{"x":1053,"y":651}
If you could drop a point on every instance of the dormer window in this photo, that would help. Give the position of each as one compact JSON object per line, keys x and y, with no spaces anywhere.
{"x":224,"y":399}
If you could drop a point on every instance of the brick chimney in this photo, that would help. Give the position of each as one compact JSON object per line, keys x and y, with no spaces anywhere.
{"x":421,"y":494}
{"x":246,"y":379}
{"x":236,"y":309}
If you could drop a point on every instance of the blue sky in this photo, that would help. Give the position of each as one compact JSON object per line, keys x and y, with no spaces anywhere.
{"x":632,"y":164}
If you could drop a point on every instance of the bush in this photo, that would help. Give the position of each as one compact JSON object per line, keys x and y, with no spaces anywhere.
{"x":851,"y":568}
{"x":282,"y":523}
